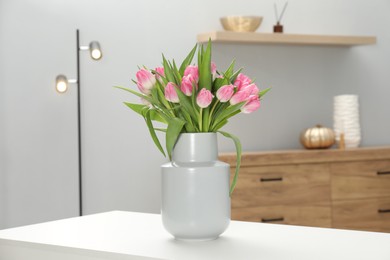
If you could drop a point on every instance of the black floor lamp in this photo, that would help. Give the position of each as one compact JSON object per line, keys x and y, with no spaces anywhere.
{"x":62,"y":83}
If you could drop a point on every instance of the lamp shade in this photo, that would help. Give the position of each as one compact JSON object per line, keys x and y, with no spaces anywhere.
{"x":95,"y":50}
{"x":61,"y":84}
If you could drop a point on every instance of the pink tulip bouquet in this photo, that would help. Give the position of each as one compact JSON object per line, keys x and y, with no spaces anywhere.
{"x":193,"y":98}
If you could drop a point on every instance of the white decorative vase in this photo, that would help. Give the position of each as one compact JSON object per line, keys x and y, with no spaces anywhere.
{"x":346,"y":119}
{"x":195,"y":189}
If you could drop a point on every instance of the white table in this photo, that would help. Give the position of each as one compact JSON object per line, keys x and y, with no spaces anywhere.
{"x":129,"y":235}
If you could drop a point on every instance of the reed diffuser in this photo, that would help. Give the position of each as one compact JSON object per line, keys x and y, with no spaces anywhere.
{"x":278,"y":28}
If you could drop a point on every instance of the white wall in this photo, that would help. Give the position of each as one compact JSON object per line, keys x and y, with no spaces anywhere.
{"x":121,"y":164}
{"x":2,"y":134}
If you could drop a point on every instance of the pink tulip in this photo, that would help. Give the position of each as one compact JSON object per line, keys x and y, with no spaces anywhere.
{"x":204,"y":98}
{"x":252,"y":105}
{"x":170,"y":93}
{"x":239,"y":97}
{"x":146,"y":81}
{"x":242,"y":81}
{"x":224,"y":93}
{"x":252,"y":89}
{"x":187,"y":84}
{"x":160,"y":71}
{"x":193,"y":71}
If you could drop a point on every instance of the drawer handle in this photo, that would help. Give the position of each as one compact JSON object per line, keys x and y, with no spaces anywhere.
{"x":383,"y":210}
{"x":383,"y":172}
{"x":267,"y":220}
{"x":271,"y":179}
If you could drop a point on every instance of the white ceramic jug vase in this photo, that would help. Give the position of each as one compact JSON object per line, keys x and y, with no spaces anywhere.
{"x":195,"y":189}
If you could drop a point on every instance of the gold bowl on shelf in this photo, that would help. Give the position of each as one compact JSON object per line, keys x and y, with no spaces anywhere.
{"x":238,"y":23}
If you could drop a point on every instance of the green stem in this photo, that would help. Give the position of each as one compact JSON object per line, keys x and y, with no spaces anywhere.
{"x":213,"y":108}
{"x":171,"y":108}
{"x":200,"y":119}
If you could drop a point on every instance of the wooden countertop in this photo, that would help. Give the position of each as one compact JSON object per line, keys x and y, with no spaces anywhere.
{"x":307,"y":156}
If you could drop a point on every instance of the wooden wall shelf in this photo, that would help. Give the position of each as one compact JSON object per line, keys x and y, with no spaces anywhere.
{"x":285,"y":39}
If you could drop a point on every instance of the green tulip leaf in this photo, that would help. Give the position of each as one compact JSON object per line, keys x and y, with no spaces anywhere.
{"x":237,"y":143}
{"x":200,"y":53}
{"x":234,"y":76}
{"x":168,"y":71}
{"x":176,"y":72}
{"x":136,"y":107}
{"x":228,"y":112}
{"x":175,"y":125}
{"x":161,"y":95}
{"x":229,"y":72}
{"x":219,"y":125}
{"x":152,"y":132}
{"x":187,"y":61}
{"x":161,"y":129}
{"x":186,"y":103}
{"x":147,"y":98}
{"x":154,"y":115}
{"x":263,"y":92}
{"x":219,"y":82}
{"x":205,"y":77}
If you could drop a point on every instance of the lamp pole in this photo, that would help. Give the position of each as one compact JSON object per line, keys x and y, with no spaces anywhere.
{"x":80,"y":175}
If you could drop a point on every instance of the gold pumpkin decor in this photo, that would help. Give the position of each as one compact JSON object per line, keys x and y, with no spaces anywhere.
{"x":317,"y":137}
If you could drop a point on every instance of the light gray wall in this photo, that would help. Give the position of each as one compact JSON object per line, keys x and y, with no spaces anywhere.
{"x":41,"y":167}
{"x":2,"y":134}
{"x":120,"y":162}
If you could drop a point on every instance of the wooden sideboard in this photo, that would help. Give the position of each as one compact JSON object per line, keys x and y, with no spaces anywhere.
{"x":347,"y":189}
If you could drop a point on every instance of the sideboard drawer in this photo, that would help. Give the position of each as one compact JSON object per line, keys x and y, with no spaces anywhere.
{"x":368,"y":214}
{"x":318,"y":215}
{"x":281,"y":185}
{"x":360,"y":180}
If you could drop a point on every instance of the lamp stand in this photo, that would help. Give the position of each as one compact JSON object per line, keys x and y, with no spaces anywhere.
{"x":80,"y":176}
{"x":62,"y":85}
